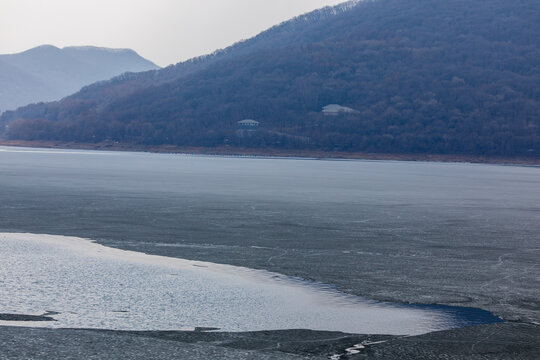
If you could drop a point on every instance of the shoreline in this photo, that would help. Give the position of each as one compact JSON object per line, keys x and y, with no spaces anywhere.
{"x":275,"y":153}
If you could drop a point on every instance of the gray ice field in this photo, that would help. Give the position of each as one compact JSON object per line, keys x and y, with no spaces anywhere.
{"x":346,"y":231}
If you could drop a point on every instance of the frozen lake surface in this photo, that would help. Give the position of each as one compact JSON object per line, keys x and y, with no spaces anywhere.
{"x":87,"y":285}
{"x":407,"y":231}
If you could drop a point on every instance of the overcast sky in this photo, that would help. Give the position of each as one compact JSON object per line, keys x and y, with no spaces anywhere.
{"x":164,"y":31}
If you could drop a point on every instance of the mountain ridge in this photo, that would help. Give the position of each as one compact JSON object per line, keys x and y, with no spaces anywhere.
{"x":104,"y":92}
{"x":54,"y":72}
{"x":177,"y":71}
{"x":423,"y":76}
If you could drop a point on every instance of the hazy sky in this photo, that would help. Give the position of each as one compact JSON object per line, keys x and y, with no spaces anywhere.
{"x":164,"y":31}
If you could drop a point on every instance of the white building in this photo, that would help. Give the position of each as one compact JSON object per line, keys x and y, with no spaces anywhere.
{"x":248,"y":124}
{"x":335,"y":110}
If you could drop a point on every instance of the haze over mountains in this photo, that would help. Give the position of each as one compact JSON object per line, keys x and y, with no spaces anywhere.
{"x":48,"y":73}
{"x":423,"y":76}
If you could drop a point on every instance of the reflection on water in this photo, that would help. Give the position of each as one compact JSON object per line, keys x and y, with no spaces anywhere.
{"x":93,"y":286}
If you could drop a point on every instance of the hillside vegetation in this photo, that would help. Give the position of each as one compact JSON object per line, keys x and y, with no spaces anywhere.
{"x":425,"y":76}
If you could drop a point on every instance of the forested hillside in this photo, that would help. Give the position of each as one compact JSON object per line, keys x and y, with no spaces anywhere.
{"x":101,"y":93}
{"x":425,"y":76}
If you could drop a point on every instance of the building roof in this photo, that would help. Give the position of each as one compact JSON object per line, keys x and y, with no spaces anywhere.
{"x":336,"y":109}
{"x":248,"y":122}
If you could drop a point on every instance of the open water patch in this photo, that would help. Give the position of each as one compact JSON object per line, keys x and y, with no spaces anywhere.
{"x":88,"y":285}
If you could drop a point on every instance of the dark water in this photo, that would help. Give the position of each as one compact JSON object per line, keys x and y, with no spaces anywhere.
{"x":232,"y":209}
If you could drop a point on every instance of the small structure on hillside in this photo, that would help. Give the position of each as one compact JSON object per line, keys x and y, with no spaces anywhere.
{"x":246,"y":128}
{"x":248,"y":124}
{"x":335,"y":110}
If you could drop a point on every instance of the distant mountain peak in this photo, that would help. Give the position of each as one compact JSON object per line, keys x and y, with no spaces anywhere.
{"x":98,"y":48}
{"x":39,"y":49}
{"x":45,"y":46}
{"x":46,"y":72}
